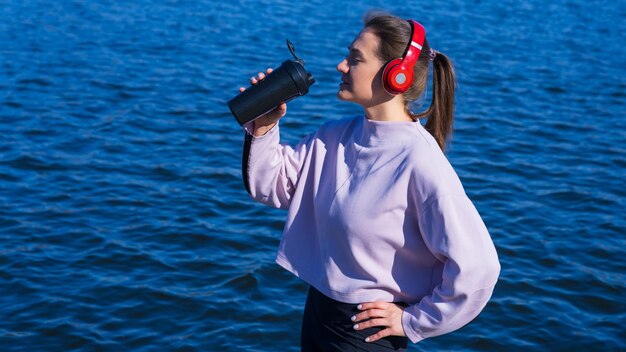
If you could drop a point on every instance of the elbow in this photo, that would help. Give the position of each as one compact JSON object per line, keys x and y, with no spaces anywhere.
{"x":483,"y":272}
{"x":491,"y":270}
{"x":494,"y":267}
{"x":496,"y":270}
{"x":487,"y":266}
{"x":269,"y":196}
{"x":485,"y":286}
{"x":490,"y":275}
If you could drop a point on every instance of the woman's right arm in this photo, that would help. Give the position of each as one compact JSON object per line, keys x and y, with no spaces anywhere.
{"x":271,"y":170}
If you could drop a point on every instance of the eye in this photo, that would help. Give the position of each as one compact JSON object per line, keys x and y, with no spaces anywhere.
{"x":352,"y":60}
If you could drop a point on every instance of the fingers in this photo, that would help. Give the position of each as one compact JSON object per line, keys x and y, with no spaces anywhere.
{"x":370,"y":313}
{"x":258,"y":78}
{"x":379,"y":335}
{"x":379,"y":314}
{"x":370,"y":305}
{"x":372,"y":322}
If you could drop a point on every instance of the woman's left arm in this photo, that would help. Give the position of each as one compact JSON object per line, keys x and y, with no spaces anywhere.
{"x":455,"y":234}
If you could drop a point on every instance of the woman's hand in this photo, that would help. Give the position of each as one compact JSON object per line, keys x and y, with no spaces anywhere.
{"x":384,"y":314}
{"x":266,"y":122}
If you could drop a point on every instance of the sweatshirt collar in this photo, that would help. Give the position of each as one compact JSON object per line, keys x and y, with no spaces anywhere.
{"x":375,"y":133}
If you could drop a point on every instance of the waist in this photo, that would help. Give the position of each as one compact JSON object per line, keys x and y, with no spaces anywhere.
{"x":333,"y":310}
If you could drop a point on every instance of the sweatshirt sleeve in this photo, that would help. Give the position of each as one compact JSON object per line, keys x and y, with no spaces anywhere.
{"x":456,"y":235}
{"x":271,"y":170}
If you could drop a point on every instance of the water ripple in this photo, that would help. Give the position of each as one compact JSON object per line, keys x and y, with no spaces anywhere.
{"x":125,"y":224}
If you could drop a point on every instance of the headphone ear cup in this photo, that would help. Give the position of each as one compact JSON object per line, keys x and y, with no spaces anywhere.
{"x":391,"y":70}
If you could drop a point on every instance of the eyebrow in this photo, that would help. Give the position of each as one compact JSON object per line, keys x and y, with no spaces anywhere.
{"x":357,"y":51}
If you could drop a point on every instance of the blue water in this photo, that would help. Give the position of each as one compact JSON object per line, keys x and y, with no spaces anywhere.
{"x":125,"y":225}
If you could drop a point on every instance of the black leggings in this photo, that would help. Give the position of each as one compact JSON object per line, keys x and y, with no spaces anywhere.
{"x":326,"y":327}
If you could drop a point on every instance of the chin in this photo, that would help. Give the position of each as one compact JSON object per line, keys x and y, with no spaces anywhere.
{"x":343,"y":95}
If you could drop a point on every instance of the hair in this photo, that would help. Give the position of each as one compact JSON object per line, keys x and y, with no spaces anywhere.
{"x":394,"y":34}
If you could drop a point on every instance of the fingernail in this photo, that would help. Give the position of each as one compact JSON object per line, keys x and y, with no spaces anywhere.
{"x":367,"y":339}
{"x":360,"y":306}
{"x":353,"y":318}
{"x":356,"y":326}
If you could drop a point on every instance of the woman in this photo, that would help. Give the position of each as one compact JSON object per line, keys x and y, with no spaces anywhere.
{"x":379,"y":224}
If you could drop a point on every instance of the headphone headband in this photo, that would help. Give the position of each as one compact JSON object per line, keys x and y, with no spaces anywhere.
{"x":413,"y":50}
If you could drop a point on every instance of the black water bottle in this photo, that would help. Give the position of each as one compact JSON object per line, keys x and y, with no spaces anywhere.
{"x":288,"y":81}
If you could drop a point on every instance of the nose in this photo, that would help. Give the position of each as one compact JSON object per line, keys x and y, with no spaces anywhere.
{"x":343,"y":66}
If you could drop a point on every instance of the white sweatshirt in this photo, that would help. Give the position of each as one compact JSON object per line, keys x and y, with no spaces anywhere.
{"x":376,"y":212}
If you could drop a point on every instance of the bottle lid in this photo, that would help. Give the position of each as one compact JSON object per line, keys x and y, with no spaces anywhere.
{"x":292,"y":49}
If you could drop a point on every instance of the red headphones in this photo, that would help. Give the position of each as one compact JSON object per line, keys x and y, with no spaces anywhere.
{"x":398,"y":73}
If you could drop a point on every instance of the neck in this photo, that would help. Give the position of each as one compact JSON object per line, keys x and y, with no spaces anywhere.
{"x":392,"y":110}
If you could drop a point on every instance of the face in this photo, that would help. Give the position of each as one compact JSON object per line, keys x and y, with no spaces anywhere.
{"x":361,"y":72}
